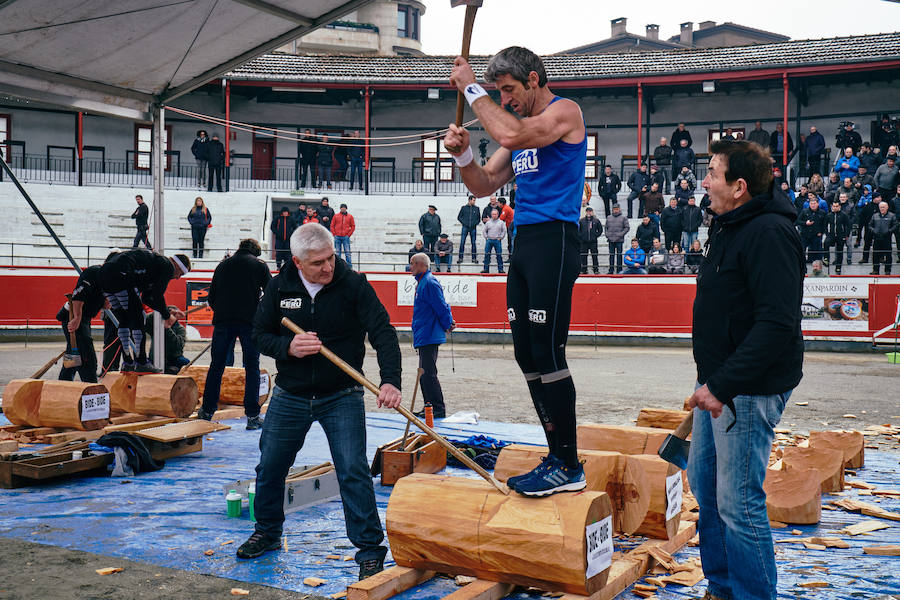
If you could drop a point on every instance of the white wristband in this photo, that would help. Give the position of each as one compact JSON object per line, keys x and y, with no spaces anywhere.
{"x":474,"y":92}
{"x":464,"y":159}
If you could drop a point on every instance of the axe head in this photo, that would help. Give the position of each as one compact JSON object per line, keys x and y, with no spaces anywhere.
{"x":675,"y":450}
{"x":475,"y":3}
{"x":70,"y":361}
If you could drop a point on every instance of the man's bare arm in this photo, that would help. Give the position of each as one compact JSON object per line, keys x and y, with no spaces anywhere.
{"x":485,"y":180}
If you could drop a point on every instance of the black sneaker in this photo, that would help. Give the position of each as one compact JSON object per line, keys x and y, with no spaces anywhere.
{"x":254,"y":423}
{"x":202,"y":414}
{"x":257,"y":545}
{"x":146,"y":367}
{"x":370,"y":567}
{"x":127,"y":367}
{"x":437,"y":414}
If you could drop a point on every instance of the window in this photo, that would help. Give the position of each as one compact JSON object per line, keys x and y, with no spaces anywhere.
{"x":737,"y":132}
{"x":407,"y":22}
{"x":429,"y":151}
{"x":143,"y":146}
{"x":5,"y":129}
{"x":590,"y":168}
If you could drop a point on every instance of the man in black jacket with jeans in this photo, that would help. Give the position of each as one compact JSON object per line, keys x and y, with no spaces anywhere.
{"x":589,"y":231}
{"x":215,"y":156}
{"x":469,"y":217}
{"x":337,"y":308}
{"x":748,"y":347}
{"x":233,"y":296}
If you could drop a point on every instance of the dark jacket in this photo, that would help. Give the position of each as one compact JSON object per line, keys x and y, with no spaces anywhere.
{"x":325,"y":154}
{"x":639,"y":180}
{"x":691,"y":218}
{"x":837,"y":226}
{"x":670,"y":219}
{"x":235,"y":288}
{"x":199,"y":148}
{"x":147,"y":271}
{"x":759,"y":136}
{"x":693,"y":259}
{"x":662,"y":156}
{"x":609,"y":185}
{"x":677,"y":136}
{"x":788,"y":143}
{"x":486,"y":211}
{"x":430,"y":224}
{"x":882,"y":226}
{"x":870,"y":161}
{"x":215,"y":153}
{"x":653,"y":201}
{"x":431,"y":313}
{"x":684,"y":157}
{"x":326,"y":214}
{"x":469,"y":216}
{"x":87,"y":290}
{"x":199,"y":218}
{"x":308,"y":152}
{"x":848,"y":139}
{"x":815,"y":144}
{"x":589,"y":229}
{"x":645,"y":235}
{"x":282,"y":228}
{"x":658,"y":178}
{"x":746,"y":319}
{"x":357,"y":151}
{"x":817,"y":217}
{"x":140,"y":216}
{"x":683,"y":196}
{"x":343,"y":313}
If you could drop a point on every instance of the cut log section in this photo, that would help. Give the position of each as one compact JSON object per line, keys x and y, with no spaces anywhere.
{"x":482,"y":533}
{"x":620,"y":438}
{"x":619,"y":475}
{"x":233,"y":380}
{"x":793,"y":495}
{"x":82,"y":406}
{"x":661,"y":418}
{"x":829,"y":463}
{"x":166,"y":395}
{"x":850,"y":443}
{"x":21,"y":401}
{"x":122,"y":389}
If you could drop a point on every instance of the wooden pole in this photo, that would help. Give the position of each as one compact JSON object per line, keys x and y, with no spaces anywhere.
{"x":361,"y":379}
{"x":466,"y":42}
{"x":201,"y":353}
{"x":412,"y":405}
{"x":40,"y":372}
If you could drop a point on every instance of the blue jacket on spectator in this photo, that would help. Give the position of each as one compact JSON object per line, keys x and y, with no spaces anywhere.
{"x":852,"y":167}
{"x":431,"y":313}
{"x":635,"y":257}
{"x":866,"y":197}
{"x":822,"y":205}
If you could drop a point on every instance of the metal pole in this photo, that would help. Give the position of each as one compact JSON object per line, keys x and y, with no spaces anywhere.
{"x":79,"y":141}
{"x":159,"y":242}
{"x":368,"y":118}
{"x":784,"y":126}
{"x":227,"y":165}
{"x":640,"y":119}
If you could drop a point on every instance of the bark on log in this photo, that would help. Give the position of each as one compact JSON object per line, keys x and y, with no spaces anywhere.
{"x":661,"y":418}
{"x":619,"y":475}
{"x":793,"y":495}
{"x":63,"y":403}
{"x":233,"y":379}
{"x":850,"y":443}
{"x":21,"y":401}
{"x":166,"y":395}
{"x":538,"y":542}
{"x":829,"y":463}
{"x":620,"y":438}
{"x":122,"y":389}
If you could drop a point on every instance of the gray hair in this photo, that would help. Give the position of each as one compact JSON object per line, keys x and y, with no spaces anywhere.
{"x":517,"y":62}
{"x":420,"y":257}
{"x":310,"y":238}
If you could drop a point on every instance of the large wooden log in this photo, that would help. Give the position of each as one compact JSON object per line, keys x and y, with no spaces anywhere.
{"x":621,"y":438}
{"x":21,"y":400}
{"x":233,"y":380}
{"x":662,"y":476}
{"x":619,"y":475}
{"x":540,"y":542}
{"x":166,"y":395}
{"x":793,"y":495}
{"x":829,"y":464}
{"x":82,"y":406}
{"x":850,"y":443}
{"x":122,"y":389}
{"x":661,"y":418}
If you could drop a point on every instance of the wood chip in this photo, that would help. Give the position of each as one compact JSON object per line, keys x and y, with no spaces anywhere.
{"x":313,"y":581}
{"x":346,"y":558}
{"x":814,"y":584}
{"x":850,"y":416}
{"x":645,"y":588}
{"x":109,"y":570}
{"x":644,"y":593}
{"x":662,"y":557}
{"x":656,"y":581}
{"x":870,"y":510}
{"x":339,"y":595}
{"x":464,"y":579}
{"x":685,"y":578}
{"x":334,"y":556}
{"x":796,"y":532}
{"x":209,"y":552}
{"x":830,"y":542}
{"x":777,"y":525}
{"x":802,"y":403}
{"x":888,"y":550}
{"x":811,"y":546}
{"x":694,"y":541}
{"x":227,"y":542}
{"x":861,"y":485}
{"x":864,"y":527}
{"x":239,"y":592}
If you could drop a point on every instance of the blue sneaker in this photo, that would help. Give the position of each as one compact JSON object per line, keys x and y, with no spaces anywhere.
{"x":557,"y":478}
{"x":547,"y":462}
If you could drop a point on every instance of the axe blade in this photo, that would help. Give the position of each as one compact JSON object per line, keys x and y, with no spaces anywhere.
{"x":675,"y":450}
{"x":455,"y":3}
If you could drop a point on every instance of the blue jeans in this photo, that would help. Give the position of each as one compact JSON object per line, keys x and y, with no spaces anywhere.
{"x":687,"y":238}
{"x":342,"y":245}
{"x":222,"y":348}
{"x":497,"y":246}
{"x":467,"y":231}
{"x":726,"y":471}
{"x":343,"y":418}
{"x":356,"y":168}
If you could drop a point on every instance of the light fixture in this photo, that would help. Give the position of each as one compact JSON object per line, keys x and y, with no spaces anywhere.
{"x":709,"y":86}
{"x":298,"y":89}
{"x":434,"y":94}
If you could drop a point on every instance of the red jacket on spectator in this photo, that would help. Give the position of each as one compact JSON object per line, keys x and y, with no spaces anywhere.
{"x":506,"y":215}
{"x":310,"y":220}
{"x":342,"y":225}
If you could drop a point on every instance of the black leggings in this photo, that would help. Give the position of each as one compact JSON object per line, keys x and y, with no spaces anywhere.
{"x":126,"y":304}
{"x":539,"y":300}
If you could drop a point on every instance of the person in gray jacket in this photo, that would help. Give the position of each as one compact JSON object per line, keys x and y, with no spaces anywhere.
{"x":494,"y":231}
{"x":443,"y":249}
{"x":882,"y":225}
{"x":616,"y":228}
{"x":886,"y":178}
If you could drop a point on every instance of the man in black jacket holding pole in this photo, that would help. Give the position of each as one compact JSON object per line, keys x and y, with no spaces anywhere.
{"x":337,"y":308}
{"x":748,"y":347}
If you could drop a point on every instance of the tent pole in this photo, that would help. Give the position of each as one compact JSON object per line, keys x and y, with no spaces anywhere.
{"x":159,"y":171}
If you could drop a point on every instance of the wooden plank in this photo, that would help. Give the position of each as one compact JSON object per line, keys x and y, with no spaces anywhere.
{"x":9,"y":446}
{"x":68,"y":436}
{"x":145,"y":424}
{"x":481,"y":590}
{"x":887,"y":550}
{"x":389,"y":582}
{"x":180,"y":431}
{"x":133,"y":418}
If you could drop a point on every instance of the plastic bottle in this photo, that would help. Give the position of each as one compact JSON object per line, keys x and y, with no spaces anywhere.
{"x":252,"y":494}
{"x":233,"y":501}
{"x":429,"y":415}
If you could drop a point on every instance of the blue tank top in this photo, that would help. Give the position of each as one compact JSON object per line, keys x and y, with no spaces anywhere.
{"x":550,"y":181}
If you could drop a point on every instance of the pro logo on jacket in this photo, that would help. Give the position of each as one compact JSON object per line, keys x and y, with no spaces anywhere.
{"x":291,"y":303}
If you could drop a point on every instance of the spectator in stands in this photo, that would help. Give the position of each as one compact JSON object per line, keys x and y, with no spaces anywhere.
{"x":883,"y":225}
{"x":811,"y":198}
{"x":848,"y":188}
{"x":894,"y":206}
{"x":300,"y":215}
{"x":788,"y":192}
{"x":418,"y":246}
{"x":886,"y":178}
{"x":817,"y":184}
{"x":324,"y":162}
{"x":444,"y":251}
{"x":693,"y":258}
{"x":868,"y":159}
{"x":308,"y":151}
{"x":863,"y":178}
{"x":201,"y":156}
{"x":325,"y":213}
{"x":662,"y":157}
{"x":777,"y":176}
{"x":886,"y":136}
{"x":670,"y":222}
{"x":469,"y":217}
{"x":174,"y":339}
{"x":200,"y":221}
{"x":589,"y":231}
{"x":777,"y":146}
{"x":357,"y":154}
{"x":507,"y":215}
{"x":616,"y":227}
{"x":430,"y":228}
{"x":494,"y":231}
{"x":342,"y":227}
{"x":658,"y":177}
{"x":837,"y":230}
{"x":141,"y":216}
{"x":815,"y":147}
{"x":684,"y":159}
{"x":683,"y":193}
{"x":341,"y":155}
{"x":311,"y":216}
{"x":635,"y":259}
{"x":282,"y":227}
{"x":848,"y":138}
{"x":609,"y":186}
{"x":729,"y":135}
{"x":651,"y":202}
{"x":675,"y":263}
{"x":691,"y":218}
{"x":687,"y":175}
{"x":512,"y":194}
{"x":657,"y":258}
{"x":759,"y":135}
{"x":645,"y":233}
{"x":818,"y":269}
{"x":216,"y":161}
{"x":892,"y":153}
{"x":811,"y":224}
{"x":679,"y":134}
{"x":865,"y":209}
{"x":638,"y":182}
{"x":493,"y":204}
{"x":846,"y":165}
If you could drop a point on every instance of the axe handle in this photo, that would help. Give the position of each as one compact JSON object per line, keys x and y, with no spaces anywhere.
{"x":466,"y":42}
{"x":412,"y":406}
{"x":201,"y":353}
{"x":684,"y":428}
{"x":360,"y":378}
{"x":40,"y":372}
{"x":72,"y":340}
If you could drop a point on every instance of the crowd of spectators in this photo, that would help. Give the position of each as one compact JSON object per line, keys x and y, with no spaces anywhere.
{"x":341,"y":224}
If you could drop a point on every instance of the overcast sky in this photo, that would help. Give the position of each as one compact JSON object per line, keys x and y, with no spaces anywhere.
{"x":548,"y":27}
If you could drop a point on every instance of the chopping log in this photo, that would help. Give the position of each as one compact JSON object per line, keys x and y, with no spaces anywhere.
{"x":21,"y":400}
{"x":661,"y":418}
{"x":850,"y":443}
{"x":166,"y":395}
{"x":621,"y":438}
{"x":540,"y":542}
{"x":661,"y":475}
{"x":122,"y":389}
{"x":232,"y":390}
{"x":793,"y":495}
{"x":619,"y":475}
{"x":829,"y":463}
{"x":73,"y":404}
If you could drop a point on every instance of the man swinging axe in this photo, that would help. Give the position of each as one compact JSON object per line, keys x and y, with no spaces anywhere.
{"x":75,"y":316}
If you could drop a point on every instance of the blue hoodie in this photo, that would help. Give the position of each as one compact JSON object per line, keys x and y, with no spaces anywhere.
{"x":866,"y":197}
{"x":431,"y":314}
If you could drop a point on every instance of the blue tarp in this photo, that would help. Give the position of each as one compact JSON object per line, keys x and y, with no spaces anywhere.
{"x":170,"y":517}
